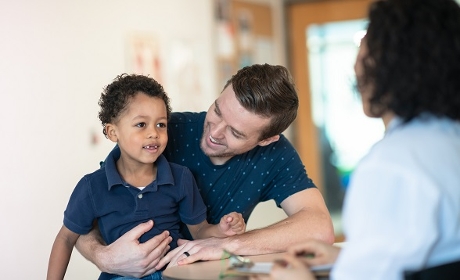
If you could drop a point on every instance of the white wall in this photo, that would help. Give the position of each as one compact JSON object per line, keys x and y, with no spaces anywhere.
{"x":55,"y":57}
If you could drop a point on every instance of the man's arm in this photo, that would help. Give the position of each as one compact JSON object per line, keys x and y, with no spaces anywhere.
{"x":126,"y":256}
{"x":308,"y":218}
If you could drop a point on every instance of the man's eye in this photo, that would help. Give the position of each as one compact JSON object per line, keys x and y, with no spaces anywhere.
{"x":140,"y":124}
{"x":237,"y":136}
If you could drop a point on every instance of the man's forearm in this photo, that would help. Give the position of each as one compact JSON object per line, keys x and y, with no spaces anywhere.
{"x":90,"y":245}
{"x":296,"y":228}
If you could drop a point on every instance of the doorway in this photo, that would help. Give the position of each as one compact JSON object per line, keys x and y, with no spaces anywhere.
{"x":332,"y":133}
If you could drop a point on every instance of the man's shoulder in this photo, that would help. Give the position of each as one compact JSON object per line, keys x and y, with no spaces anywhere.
{"x":186,"y":117}
{"x":277,"y":153}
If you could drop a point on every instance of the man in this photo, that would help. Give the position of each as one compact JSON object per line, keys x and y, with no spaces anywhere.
{"x":239,"y":158}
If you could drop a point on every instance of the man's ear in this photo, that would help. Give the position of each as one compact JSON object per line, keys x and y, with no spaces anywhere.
{"x":111,"y":131}
{"x":269,"y":140}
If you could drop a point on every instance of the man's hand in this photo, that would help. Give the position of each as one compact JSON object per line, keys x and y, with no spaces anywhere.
{"x":201,"y":249}
{"x":126,"y":256}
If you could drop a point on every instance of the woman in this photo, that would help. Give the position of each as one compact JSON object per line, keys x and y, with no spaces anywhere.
{"x":402,"y":210}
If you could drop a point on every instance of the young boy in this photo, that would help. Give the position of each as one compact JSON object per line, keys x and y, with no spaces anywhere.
{"x":136,"y":183}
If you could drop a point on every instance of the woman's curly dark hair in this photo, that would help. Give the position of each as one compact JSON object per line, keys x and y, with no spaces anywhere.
{"x":413,"y":59}
{"x":117,"y":95}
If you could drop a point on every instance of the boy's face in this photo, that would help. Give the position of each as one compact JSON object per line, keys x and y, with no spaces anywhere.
{"x":230,"y":129}
{"x":141,"y":129}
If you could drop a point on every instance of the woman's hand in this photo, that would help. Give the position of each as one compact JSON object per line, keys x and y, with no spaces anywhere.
{"x":318,"y":252}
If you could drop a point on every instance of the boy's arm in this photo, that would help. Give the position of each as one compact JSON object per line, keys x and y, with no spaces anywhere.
{"x":60,"y":253}
{"x":204,"y":230}
{"x":229,"y":225}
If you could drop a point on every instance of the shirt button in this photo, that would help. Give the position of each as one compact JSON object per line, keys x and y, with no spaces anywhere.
{"x":139,"y":195}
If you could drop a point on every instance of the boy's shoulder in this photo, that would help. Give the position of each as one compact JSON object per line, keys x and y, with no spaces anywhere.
{"x":178,"y":169}
{"x":97,"y":176}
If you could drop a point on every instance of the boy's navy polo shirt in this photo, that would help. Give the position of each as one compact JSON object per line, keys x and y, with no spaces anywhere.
{"x":118,"y":207}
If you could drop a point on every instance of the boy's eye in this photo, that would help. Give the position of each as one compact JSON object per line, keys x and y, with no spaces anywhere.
{"x":140,"y":124}
{"x":163,"y":125}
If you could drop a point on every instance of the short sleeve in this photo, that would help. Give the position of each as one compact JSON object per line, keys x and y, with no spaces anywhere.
{"x":191,"y":208}
{"x":79,"y":214}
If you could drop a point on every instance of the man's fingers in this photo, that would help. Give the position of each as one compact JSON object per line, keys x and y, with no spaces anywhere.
{"x":164,"y":261}
{"x":139,"y":230}
{"x":159,"y":265}
{"x":154,"y":249}
{"x":158,"y":251}
{"x":178,"y":256}
{"x":182,"y":241}
{"x":190,"y":259}
{"x":162,"y":240}
{"x":170,"y":257}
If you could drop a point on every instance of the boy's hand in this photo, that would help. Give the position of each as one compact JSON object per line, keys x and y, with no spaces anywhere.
{"x":232,"y":224}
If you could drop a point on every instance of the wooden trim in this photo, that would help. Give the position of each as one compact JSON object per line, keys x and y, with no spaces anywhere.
{"x":299,"y":17}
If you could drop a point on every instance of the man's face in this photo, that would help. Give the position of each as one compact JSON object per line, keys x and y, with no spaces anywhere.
{"x":229,"y":129}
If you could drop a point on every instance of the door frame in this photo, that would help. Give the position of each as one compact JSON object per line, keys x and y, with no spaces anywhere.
{"x":299,"y":17}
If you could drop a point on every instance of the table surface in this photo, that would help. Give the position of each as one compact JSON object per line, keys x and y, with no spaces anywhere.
{"x":211,"y":270}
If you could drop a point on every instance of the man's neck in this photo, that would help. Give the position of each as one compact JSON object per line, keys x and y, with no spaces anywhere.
{"x":219,"y":160}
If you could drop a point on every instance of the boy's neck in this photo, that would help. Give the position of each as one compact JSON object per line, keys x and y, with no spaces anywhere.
{"x":140,"y":175}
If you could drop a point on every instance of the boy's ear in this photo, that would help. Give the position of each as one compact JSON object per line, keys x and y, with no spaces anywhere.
{"x":269,"y":140}
{"x":111,"y":131}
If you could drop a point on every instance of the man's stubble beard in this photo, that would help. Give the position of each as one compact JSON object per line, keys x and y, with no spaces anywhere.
{"x":216,"y":155}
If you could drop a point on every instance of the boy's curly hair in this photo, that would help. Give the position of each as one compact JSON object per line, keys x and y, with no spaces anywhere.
{"x":117,"y":95}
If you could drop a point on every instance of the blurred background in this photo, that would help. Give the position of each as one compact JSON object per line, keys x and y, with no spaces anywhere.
{"x":57,"y":55}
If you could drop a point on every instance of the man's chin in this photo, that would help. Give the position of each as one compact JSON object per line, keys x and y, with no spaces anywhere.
{"x":209,"y":152}
{"x":214,"y":154}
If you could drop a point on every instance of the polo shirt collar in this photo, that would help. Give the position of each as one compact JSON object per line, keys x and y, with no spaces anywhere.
{"x":164,"y":173}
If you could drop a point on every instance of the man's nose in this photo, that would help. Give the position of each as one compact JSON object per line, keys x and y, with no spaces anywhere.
{"x":218,"y":130}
